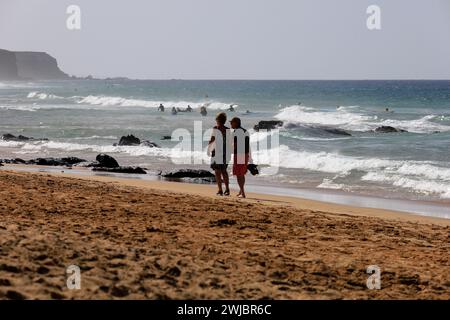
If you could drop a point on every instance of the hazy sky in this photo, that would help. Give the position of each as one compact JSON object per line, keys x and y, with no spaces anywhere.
{"x":236,"y":39}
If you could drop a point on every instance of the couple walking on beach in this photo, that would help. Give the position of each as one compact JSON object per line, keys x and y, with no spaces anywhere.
{"x":222,"y":144}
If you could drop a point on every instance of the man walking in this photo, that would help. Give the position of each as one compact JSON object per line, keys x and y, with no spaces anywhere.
{"x":241,"y":151}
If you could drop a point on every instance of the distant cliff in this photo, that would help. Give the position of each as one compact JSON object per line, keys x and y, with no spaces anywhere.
{"x":29,"y":65}
{"x":8,"y":65}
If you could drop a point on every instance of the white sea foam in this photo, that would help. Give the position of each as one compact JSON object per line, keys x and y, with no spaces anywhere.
{"x":344,"y":119}
{"x":111,"y":101}
{"x":419,"y":184}
{"x":330,"y":184}
{"x":42,"y":95}
{"x":17,"y":85}
{"x":107,"y":101}
{"x":418,"y":175}
{"x":30,"y":108}
{"x":96,"y":137}
{"x":348,"y":119}
{"x":137,"y":151}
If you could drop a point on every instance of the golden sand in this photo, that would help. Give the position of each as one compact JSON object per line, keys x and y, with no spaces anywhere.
{"x":137,"y":239}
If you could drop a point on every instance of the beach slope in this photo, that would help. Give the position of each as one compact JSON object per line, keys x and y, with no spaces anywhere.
{"x":143,"y":243}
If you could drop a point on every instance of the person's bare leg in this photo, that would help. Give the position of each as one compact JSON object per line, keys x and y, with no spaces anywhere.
{"x":226,"y":180}
{"x":218,"y":174}
{"x":241,"y":183}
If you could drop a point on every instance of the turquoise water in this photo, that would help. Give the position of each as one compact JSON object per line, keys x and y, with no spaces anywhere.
{"x":83,"y":118}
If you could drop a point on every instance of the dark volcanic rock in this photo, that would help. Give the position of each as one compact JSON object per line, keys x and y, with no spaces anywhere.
{"x":72,"y":160}
{"x":105,"y":161}
{"x":8,"y":137}
{"x":135,"y":170}
{"x":68,"y":161}
{"x":129,"y":140}
{"x":148,"y":143}
{"x":318,"y":130}
{"x":11,"y":137}
{"x":268,"y":125}
{"x":388,"y":129}
{"x":187,"y":173}
{"x":13,"y":161}
{"x":336,"y":131}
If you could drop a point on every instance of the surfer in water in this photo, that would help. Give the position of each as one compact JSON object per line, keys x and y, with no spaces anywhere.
{"x":174,"y":111}
{"x":189,"y":109}
{"x":161,"y":107}
{"x":203,"y":111}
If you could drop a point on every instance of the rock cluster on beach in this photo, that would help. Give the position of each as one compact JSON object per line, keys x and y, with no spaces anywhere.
{"x":268,"y":125}
{"x":11,"y":137}
{"x":388,"y":129}
{"x":103,"y":162}
{"x":107,"y":163}
{"x":203,"y":175}
{"x":63,"y":162}
{"x":131,"y":140}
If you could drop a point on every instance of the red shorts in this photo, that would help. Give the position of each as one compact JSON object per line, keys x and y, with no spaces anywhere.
{"x":240,"y":167}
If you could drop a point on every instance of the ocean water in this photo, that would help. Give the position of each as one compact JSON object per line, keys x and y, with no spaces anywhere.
{"x":84,"y":118}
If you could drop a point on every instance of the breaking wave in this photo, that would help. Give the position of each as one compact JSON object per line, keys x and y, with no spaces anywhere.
{"x":419,"y":176}
{"x":349,"y":118}
{"x":126,"y":102}
{"x":111,"y":101}
{"x":42,"y":96}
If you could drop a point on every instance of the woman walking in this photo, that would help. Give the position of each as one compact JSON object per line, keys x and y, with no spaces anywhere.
{"x":220,"y":153}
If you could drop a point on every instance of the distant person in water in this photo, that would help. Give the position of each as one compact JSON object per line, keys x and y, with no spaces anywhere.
{"x":231,"y":108}
{"x":241,"y":153}
{"x":189,"y":109}
{"x":174,"y":111}
{"x":219,"y":151}
{"x":161,"y":107}
{"x":203,"y":111}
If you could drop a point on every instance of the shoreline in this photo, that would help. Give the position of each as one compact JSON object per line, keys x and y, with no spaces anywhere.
{"x":208,"y":190}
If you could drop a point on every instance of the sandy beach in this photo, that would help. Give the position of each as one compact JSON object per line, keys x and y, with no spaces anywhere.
{"x":164,"y":240}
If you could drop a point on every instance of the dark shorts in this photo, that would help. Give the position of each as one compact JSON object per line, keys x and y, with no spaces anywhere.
{"x":220,"y":167}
